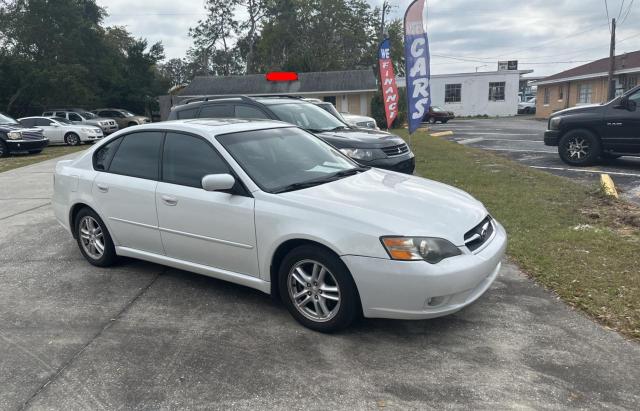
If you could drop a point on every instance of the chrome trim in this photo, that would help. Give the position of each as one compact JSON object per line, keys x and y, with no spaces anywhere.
{"x":25,"y":141}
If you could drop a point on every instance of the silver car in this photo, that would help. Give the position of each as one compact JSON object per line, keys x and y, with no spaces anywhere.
{"x":80,"y":116}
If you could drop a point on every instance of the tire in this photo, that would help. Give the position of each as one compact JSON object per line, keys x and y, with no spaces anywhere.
{"x":35,"y":151}
{"x":72,"y":139}
{"x":332,"y":301}
{"x":4,"y":150}
{"x":444,"y":121}
{"x":432,"y":120}
{"x":579,"y":148}
{"x":87,"y":227}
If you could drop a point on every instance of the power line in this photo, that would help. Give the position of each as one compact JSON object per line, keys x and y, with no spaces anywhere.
{"x":606,"y":7}
{"x":627,"y":13}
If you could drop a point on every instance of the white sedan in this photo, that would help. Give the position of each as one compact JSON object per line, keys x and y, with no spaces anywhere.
{"x":61,"y":131}
{"x":270,"y":206}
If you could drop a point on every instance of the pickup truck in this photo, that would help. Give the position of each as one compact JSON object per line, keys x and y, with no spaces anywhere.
{"x":586,"y":134}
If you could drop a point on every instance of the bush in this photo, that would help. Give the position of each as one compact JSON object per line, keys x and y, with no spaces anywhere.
{"x":377,"y":110}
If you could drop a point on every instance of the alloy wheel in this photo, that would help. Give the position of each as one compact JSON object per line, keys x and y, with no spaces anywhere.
{"x":578,"y":148}
{"x":92,"y":237}
{"x":314,"y":290}
{"x":73,"y":139}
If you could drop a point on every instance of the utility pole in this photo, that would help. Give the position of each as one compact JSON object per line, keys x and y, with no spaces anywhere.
{"x":612,"y":61}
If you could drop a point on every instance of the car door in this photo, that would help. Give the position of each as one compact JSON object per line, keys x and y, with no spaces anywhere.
{"x":622,"y":126}
{"x":52,"y":130}
{"x":124,"y":190}
{"x":215,"y":229}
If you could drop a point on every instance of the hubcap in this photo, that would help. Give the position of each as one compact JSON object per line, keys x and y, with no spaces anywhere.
{"x":314,"y":290}
{"x":91,"y":237}
{"x":578,"y":148}
{"x":73,"y":139}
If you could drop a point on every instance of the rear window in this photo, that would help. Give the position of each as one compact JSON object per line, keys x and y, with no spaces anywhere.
{"x":188,"y":113}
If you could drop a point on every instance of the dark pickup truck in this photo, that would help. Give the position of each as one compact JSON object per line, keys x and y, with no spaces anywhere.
{"x":15,"y":138}
{"x":586,"y":134}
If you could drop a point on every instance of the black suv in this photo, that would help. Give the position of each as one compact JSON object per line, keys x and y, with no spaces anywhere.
{"x":585,"y":134}
{"x":367,"y":147}
{"x":15,"y":138}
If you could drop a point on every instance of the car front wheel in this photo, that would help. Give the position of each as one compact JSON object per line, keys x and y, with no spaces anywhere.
{"x":72,"y":139}
{"x":318,"y":290}
{"x":579,"y":148}
{"x":93,"y":239}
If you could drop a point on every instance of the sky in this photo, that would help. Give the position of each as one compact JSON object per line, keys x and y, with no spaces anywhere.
{"x":547,"y":36}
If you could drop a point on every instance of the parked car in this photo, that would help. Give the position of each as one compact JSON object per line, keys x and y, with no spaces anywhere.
{"x":15,"y":138}
{"x":356,"y":120}
{"x":124,"y":118}
{"x":586,"y":134}
{"x":527,"y":107}
{"x":270,"y":206}
{"x":368,"y":147}
{"x":81,"y":116}
{"x":60,"y":130}
{"x":436,"y":114}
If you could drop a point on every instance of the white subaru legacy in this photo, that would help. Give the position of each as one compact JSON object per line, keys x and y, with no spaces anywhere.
{"x":270,"y":206}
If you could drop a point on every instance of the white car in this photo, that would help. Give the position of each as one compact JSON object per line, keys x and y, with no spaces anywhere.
{"x":527,"y":107}
{"x":59,"y":130}
{"x":357,"y":120}
{"x":270,"y":206}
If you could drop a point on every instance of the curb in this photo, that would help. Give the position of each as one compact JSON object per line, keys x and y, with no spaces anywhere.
{"x":442,"y":134}
{"x":607,"y":185}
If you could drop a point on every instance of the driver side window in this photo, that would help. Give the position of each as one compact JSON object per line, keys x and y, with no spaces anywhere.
{"x":74,"y":117}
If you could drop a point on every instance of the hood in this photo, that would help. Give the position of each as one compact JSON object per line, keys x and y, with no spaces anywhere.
{"x":17,"y":127}
{"x":578,"y":109}
{"x":360,"y":138}
{"x":389,"y":203}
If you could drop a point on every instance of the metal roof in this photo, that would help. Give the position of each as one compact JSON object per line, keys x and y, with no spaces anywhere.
{"x":624,"y":63}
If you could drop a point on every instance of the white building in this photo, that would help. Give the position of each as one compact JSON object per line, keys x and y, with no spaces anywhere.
{"x":494,"y":93}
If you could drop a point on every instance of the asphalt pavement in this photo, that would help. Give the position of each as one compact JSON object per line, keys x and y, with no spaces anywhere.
{"x":521,"y":138}
{"x":142,"y":336}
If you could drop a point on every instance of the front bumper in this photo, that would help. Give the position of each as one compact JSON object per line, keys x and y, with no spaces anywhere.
{"x":414,"y":290}
{"x":403,"y":164}
{"x":551,"y":137}
{"x":16,"y":146}
{"x":109,"y":129}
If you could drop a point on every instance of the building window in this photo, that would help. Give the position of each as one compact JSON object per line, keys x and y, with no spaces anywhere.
{"x":545,"y":100}
{"x":496,"y":91}
{"x":452,"y":93}
{"x":584,"y":93}
{"x":560,"y":93}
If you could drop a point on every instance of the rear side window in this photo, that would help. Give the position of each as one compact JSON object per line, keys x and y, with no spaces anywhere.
{"x":61,"y":114}
{"x":104,"y":154}
{"x":189,"y":113}
{"x":138,"y":155}
{"x":48,"y":113}
{"x":187,"y":159}
{"x":243,"y":111}
{"x":216,"y":111}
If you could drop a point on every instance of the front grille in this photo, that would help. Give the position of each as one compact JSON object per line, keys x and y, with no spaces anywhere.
{"x":394,"y":151}
{"x":31,"y":135}
{"x":479,"y":234}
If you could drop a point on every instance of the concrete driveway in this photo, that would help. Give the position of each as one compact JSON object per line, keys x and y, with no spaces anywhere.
{"x":143,"y":336}
{"x":521,"y":139}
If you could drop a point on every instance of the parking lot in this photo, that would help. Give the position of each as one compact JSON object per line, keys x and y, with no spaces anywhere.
{"x":521,"y":139}
{"x":73,"y":336}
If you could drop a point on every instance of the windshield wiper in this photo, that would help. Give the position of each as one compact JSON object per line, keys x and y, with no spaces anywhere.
{"x":322,"y":180}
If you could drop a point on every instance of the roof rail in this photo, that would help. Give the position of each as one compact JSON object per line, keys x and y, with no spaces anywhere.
{"x":210,"y":98}
{"x":278,"y":95}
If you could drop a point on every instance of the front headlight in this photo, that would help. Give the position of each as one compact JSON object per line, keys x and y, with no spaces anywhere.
{"x":554,"y":123}
{"x":363,"y":154}
{"x":429,"y":249}
{"x":14,"y":135}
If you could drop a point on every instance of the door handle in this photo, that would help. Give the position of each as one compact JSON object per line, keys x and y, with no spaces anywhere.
{"x":102,"y":187}
{"x":168,"y":200}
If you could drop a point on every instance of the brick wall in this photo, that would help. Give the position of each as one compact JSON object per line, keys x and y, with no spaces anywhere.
{"x":570,"y":91}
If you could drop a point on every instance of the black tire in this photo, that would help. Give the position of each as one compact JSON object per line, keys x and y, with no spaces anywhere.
{"x":72,"y":139}
{"x":108,"y":257}
{"x":579,"y":148}
{"x":4,"y":150}
{"x":432,"y":120}
{"x":444,"y":121}
{"x":348,"y":308}
{"x":35,"y":151}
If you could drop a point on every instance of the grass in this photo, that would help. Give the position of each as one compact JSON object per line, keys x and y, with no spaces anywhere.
{"x":567,"y":236}
{"x":21,"y":160}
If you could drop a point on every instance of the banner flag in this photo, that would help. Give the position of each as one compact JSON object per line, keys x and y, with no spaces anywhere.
{"x":418,"y":73}
{"x":388,"y":81}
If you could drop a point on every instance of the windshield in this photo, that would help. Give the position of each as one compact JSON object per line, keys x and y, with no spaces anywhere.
{"x":127,"y":113}
{"x":4,"y":119}
{"x":285,"y":159}
{"x":329,"y":108}
{"x":307,"y":115}
{"x":86,"y":114}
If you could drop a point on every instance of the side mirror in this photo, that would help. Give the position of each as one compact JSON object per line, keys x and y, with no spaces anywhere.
{"x":218,"y":182}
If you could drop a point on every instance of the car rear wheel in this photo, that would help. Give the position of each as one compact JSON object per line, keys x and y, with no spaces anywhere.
{"x":93,"y":239}
{"x":579,"y":148}
{"x":72,"y":139}
{"x":432,"y":120}
{"x":318,"y":290}
{"x":444,"y":121}
{"x":4,"y":150}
